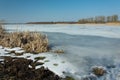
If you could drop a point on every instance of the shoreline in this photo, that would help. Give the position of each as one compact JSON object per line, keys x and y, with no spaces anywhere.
{"x":90,"y":24}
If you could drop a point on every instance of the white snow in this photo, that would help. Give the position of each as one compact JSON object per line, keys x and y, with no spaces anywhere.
{"x":84,"y":46}
{"x":13,"y":49}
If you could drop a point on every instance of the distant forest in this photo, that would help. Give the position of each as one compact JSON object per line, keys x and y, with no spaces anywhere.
{"x":100,"y":19}
{"x":96,"y":20}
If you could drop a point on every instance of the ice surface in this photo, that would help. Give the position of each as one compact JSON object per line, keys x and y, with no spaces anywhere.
{"x":73,"y":29}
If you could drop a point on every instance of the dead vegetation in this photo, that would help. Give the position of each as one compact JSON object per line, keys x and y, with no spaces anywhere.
{"x":2,"y":31}
{"x":59,"y":51}
{"x":10,"y":70}
{"x":98,"y":71}
{"x":40,"y":58}
{"x":32,"y":42}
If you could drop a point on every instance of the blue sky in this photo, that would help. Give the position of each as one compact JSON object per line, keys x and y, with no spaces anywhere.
{"x":55,"y":10}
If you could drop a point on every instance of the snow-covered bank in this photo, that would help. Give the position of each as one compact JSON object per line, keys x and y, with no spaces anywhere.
{"x":52,"y":61}
{"x":75,"y":65}
{"x":84,"y":47}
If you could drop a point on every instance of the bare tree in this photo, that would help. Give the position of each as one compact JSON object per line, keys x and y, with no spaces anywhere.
{"x":100,"y":19}
{"x":115,"y":18}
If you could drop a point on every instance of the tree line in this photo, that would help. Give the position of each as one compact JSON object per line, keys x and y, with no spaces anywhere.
{"x":96,"y":19}
{"x":100,"y":19}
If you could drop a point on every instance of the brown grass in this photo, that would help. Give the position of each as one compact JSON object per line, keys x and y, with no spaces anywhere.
{"x":30,"y":41}
{"x":98,"y":71}
{"x":113,"y":23}
{"x":59,"y":51}
{"x":2,"y":31}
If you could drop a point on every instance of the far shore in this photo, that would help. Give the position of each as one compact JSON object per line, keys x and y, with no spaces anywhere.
{"x":104,"y":24}
{"x":91,"y":24}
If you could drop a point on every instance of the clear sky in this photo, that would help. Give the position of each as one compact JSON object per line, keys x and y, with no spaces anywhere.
{"x":55,"y":10}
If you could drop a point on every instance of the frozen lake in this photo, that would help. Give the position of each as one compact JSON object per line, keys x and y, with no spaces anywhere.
{"x":72,"y":29}
{"x":84,"y":46}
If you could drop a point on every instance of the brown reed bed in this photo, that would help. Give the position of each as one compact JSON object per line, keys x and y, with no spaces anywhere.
{"x":32,"y":42}
{"x":2,"y":31}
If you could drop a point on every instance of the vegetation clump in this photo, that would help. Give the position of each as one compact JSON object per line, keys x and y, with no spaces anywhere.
{"x":10,"y":70}
{"x":47,"y":61}
{"x":2,"y":31}
{"x":55,"y":64}
{"x":98,"y":71}
{"x":32,"y":42}
{"x":69,"y":78}
{"x":59,"y":51}
{"x":40,"y":58}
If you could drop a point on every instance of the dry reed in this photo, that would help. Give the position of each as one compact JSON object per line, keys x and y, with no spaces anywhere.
{"x":32,"y":42}
{"x":2,"y":31}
